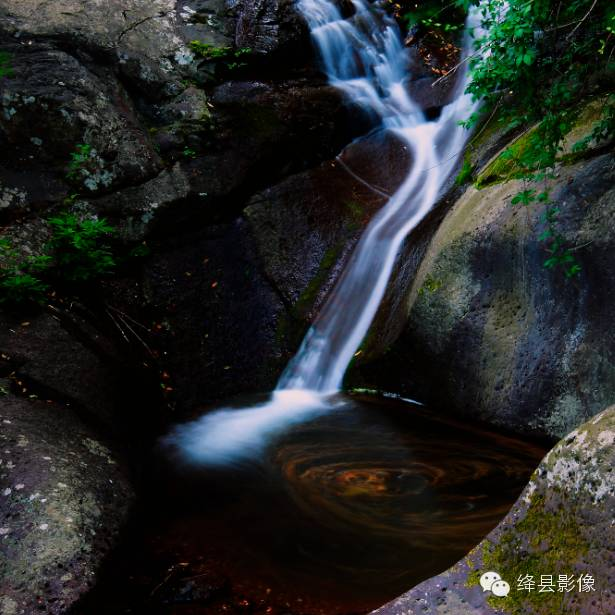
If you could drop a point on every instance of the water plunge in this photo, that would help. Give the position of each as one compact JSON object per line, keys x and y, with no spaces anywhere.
{"x":363,"y":56}
{"x":346,"y":511}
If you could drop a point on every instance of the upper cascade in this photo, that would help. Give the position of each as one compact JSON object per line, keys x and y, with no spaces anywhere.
{"x":363,"y":55}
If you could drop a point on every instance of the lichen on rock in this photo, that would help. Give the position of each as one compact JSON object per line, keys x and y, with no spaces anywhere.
{"x":561,"y":525}
{"x":62,"y":504}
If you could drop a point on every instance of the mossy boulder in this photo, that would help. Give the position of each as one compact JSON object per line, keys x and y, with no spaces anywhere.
{"x":504,"y":165}
{"x":560,"y":530}
{"x":491,"y":333}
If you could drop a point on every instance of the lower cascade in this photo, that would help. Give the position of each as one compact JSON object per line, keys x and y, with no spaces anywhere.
{"x":363,"y":56}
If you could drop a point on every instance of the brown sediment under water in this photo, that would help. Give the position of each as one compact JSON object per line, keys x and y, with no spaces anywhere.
{"x":341,"y":514}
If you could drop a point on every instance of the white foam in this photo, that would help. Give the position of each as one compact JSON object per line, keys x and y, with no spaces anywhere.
{"x":229,"y":435}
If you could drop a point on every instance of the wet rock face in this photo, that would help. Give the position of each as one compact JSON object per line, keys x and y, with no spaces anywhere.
{"x":171,"y":149}
{"x":52,"y":104}
{"x":562,"y":524}
{"x":122,"y":80}
{"x":518,"y":345}
{"x":304,"y":228}
{"x":48,"y":359}
{"x":63,"y":499}
{"x":218,"y":315}
{"x":271,"y":27}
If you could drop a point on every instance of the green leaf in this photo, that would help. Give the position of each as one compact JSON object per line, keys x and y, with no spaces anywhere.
{"x":572,"y":271}
{"x":524,"y":197}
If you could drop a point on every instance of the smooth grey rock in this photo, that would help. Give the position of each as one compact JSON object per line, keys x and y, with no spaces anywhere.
{"x":494,"y":335}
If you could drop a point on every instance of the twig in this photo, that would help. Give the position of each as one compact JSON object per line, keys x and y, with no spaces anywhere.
{"x":484,"y":126}
{"x":118,"y":326}
{"x":456,"y":67}
{"x":136,"y":335}
{"x":361,"y":180}
{"x":126,"y":316}
{"x":591,"y":8}
{"x":583,"y":245}
{"x":167,"y":578}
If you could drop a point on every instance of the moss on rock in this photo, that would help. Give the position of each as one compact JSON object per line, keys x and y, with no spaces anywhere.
{"x":560,"y":525}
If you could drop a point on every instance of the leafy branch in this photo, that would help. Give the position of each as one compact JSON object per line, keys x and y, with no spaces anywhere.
{"x":525,"y":57}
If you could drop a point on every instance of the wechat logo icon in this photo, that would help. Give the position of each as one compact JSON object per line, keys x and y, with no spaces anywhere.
{"x":493,"y":582}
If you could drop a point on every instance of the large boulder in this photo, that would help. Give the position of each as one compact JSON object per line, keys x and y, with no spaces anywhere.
{"x":52,"y":106}
{"x":141,"y":30}
{"x":118,"y":88}
{"x":271,"y":28}
{"x":47,"y":359}
{"x":216,"y":315}
{"x":63,"y":500}
{"x":491,"y":333}
{"x":554,"y":548}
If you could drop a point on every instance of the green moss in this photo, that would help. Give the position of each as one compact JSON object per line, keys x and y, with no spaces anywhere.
{"x":357,"y":214}
{"x":505,"y":166}
{"x":487,"y":131}
{"x":292,"y":325}
{"x":545,"y":542}
{"x":473,"y":578}
{"x":466,"y":171}
{"x":430,"y":285}
{"x":308,"y":296}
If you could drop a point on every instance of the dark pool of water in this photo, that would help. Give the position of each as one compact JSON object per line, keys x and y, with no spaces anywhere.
{"x":343,"y":513}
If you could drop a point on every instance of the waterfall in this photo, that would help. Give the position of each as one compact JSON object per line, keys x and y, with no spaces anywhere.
{"x":362,"y":55}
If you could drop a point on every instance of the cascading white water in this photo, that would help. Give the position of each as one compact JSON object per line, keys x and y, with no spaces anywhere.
{"x":363,"y":56}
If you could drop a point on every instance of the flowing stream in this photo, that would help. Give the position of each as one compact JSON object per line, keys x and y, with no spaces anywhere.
{"x":362,"y":55}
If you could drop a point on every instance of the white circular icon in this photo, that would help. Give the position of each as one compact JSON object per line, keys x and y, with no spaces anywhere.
{"x":488,"y":579}
{"x":500,"y":588}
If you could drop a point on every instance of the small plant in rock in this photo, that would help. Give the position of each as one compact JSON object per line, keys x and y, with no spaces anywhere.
{"x":559,"y":254}
{"x":80,"y":247}
{"x":206,"y":51}
{"x":78,"y":251}
{"x":238,"y":54}
{"x":87,"y":168}
{"x":6,"y":65}
{"x":19,"y":277}
{"x":226,"y":55}
{"x":188,"y":152}
{"x":18,"y":287}
{"x":79,"y":160}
